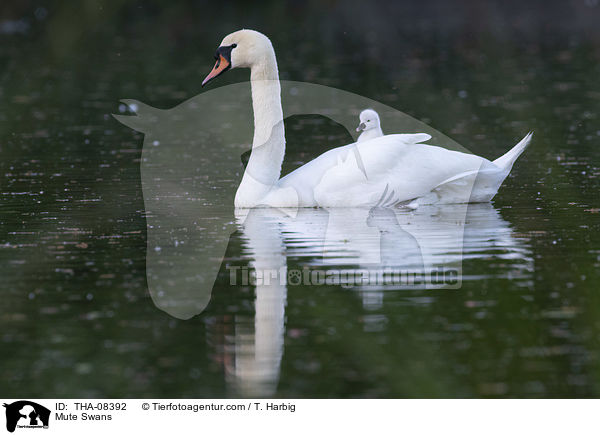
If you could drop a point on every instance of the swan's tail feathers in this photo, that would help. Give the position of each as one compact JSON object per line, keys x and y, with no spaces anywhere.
{"x":507,"y":160}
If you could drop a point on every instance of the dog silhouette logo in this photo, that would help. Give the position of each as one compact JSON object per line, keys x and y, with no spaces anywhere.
{"x":26,"y":414}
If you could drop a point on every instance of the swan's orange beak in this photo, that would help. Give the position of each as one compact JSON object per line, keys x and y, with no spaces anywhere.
{"x":220,"y":67}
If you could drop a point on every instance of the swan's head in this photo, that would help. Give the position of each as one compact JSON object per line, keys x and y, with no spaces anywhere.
{"x":369,"y":119}
{"x":242,"y":49}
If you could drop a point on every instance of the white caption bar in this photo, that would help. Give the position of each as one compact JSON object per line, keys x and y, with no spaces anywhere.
{"x":272,"y":416}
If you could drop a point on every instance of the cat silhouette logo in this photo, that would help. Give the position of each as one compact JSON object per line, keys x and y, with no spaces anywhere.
{"x":26,"y":414}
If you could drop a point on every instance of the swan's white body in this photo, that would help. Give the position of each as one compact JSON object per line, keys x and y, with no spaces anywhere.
{"x":385,"y":170}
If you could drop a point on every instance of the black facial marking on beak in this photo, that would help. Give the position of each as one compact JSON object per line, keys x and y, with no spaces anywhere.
{"x":225,"y":51}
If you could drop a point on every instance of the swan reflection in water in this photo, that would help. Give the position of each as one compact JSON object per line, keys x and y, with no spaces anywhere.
{"x":374,"y":239}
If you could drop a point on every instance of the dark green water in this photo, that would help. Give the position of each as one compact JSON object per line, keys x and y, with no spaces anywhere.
{"x":76,"y":316}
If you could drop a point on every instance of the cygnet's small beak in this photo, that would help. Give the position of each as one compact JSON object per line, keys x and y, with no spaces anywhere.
{"x":361,"y":126}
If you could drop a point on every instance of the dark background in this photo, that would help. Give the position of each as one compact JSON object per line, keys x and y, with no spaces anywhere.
{"x":76,"y":319}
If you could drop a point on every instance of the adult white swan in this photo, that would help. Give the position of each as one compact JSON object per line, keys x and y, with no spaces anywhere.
{"x":383,"y":171}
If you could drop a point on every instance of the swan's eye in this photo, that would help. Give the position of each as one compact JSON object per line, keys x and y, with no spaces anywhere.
{"x":233,"y":45}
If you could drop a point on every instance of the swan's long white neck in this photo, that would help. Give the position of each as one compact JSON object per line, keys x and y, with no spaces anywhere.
{"x":268,"y":145}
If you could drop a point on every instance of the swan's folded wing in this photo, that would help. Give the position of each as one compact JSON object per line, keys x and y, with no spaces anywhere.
{"x":345,"y":183}
{"x":477,"y":185}
{"x":358,"y":174}
{"x":413,"y":170}
{"x":362,"y":172}
{"x":412,"y":137}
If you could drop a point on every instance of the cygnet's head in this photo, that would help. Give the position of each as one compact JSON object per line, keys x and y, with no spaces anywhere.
{"x":241,"y":49}
{"x":369,"y":119}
